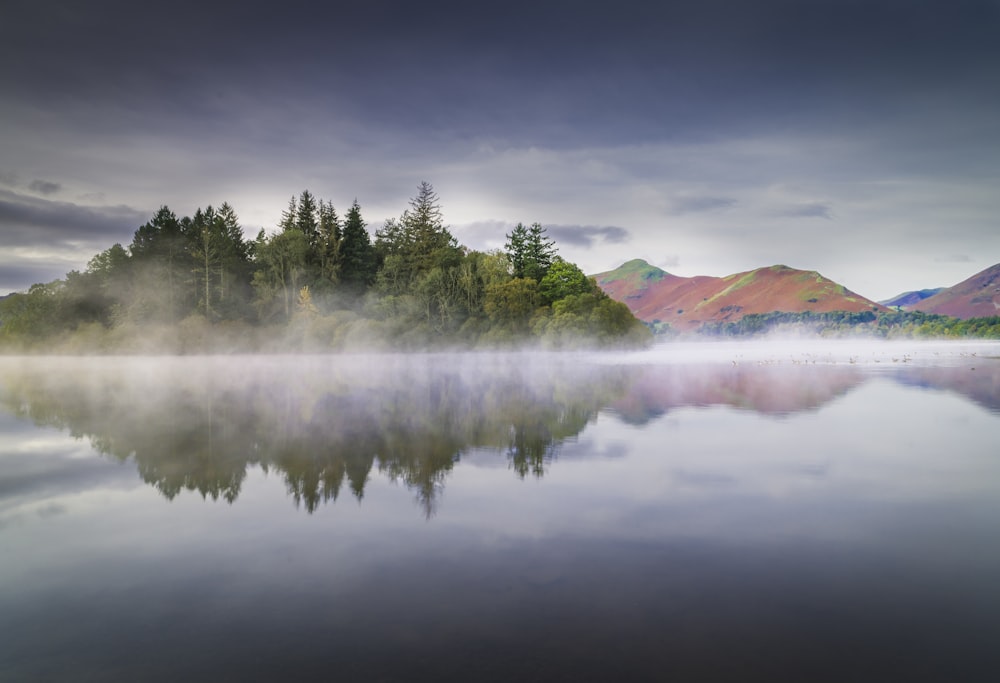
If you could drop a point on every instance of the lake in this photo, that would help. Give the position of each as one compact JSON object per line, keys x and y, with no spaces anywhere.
{"x":800,"y":511}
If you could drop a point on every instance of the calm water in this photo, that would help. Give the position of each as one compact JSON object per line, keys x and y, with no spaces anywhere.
{"x":715,"y":512}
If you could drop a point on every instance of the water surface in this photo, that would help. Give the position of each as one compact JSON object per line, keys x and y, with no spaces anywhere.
{"x":719,"y":512}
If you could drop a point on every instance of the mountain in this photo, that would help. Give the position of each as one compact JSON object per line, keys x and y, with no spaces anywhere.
{"x":977,"y":297}
{"x":688,"y":302}
{"x":907,"y":300}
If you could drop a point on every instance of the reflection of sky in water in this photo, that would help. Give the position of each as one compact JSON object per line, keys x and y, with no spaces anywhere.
{"x":715,"y":539}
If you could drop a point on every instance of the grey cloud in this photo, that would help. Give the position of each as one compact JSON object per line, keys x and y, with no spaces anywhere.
{"x":492,"y":233}
{"x":953,"y":258}
{"x":811,"y":210}
{"x":9,"y":178}
{"x":19,"y":275}
{"x":669,"y":261}
{"x":28,"y":221}
{"x":587,"y":235}
{"x":696,"y":204}
{"x":45,"y":187}
{"x":488,"y":234}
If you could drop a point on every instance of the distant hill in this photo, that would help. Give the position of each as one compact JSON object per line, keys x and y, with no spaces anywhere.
{"x":686,"y":303}
{"x":976,"y":297}
{"x":907,"y":300}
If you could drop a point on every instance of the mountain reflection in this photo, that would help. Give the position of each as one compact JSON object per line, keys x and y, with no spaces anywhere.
{"x":325,"y":423}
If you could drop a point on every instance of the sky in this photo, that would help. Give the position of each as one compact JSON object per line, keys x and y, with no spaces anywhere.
{"x":860,"y":139}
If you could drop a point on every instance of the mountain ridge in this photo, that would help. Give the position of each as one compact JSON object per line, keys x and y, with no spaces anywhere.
{"x":686,"y":303}
{"x":977,"y":296}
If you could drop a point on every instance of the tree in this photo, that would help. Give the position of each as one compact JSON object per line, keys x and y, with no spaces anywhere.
{"x":415,"y":244}
{"x":289,"y":217}
{"x":511,"y":304}
{"x":307,"y":218}
{"x":281,"y":264}
{"x":328,"y":243}
{"x":357,"y":255}
{"x":161,"y":283}
{"x":531,"y":251}
{"x":427,"y":242}
{"x":206,"y":252}
{"x":221,"y":263}
{"x":234,"y":276}
{"x":563,"y":279}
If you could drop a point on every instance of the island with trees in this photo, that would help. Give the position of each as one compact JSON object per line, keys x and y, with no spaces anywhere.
{"x":319,"y":282}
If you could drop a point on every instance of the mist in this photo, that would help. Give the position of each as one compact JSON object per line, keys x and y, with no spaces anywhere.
{"x":329,"y":422}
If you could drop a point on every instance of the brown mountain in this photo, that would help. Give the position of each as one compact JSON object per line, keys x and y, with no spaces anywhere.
{"x":977,"y":297}
{"x":688,"y":302}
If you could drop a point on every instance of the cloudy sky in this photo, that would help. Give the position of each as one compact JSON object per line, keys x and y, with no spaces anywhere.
{"x":857,"y":138}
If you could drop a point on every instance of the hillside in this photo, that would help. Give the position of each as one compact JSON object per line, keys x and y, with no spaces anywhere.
{"x":976,"y":297}
{"x":907,"y":300}
{"x":686,"y":303}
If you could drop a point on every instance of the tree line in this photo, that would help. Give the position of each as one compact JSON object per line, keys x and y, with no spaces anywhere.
{"x":318,"y":281}
{"x":887,"y":325}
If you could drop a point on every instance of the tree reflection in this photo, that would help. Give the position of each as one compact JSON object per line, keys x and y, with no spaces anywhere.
{"x":323,"y":424}
{"x":199,"y":426}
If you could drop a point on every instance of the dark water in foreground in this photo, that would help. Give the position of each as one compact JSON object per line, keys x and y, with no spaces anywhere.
{"x":694,"y":513}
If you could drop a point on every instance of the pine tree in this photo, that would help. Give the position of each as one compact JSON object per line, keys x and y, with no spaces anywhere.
{"x":234,"y":275}
{"x":206,"y":251}
{"x":161,"y":277}
{"x":428,"y":243}
{"x":307,"y":218}
{"x":531,"y":251}
{"x":328,"y":243}
{"x":357,"y":255}
{"x":289,"y":216}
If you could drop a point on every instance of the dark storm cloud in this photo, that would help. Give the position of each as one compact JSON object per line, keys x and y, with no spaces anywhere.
{"x":27,"y":221}
{"x":587,"y":236}
{"x":518,"y":71}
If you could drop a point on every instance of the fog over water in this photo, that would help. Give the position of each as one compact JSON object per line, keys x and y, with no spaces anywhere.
{"x":717,"y":511}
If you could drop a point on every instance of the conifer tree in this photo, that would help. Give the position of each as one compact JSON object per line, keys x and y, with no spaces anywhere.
{"x":428,"y":243}
{"x":307,"y":218}
{"x":289,"y":216}
{"x":531,"y":251}
{"x":357,"y":255}
{"x":328,"y":243}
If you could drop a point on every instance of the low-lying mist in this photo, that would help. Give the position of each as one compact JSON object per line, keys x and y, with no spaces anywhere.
{"x":325,"y":423}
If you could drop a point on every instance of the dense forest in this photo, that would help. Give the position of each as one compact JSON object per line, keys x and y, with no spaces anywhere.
{"x":318,"y":282}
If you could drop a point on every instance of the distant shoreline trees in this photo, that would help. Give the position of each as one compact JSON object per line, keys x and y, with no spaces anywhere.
{"x":319,"y":282}
{"x":885,"y":325}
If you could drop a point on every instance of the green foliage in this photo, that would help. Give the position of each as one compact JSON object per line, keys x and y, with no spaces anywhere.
{"x":585,"y":318}
{"x":530,"y":250}
{"x":281,"y":266}
{"x":564,"y":279}
{"x":356,"y":253}
{"x":316,"y":283}
{"x":511,"y":304}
